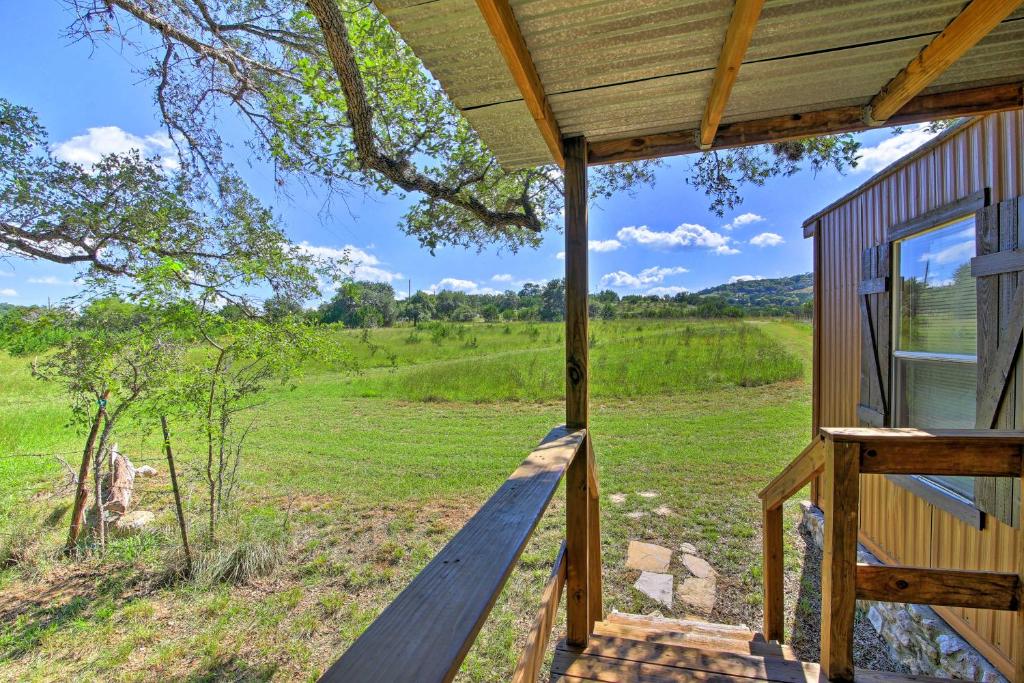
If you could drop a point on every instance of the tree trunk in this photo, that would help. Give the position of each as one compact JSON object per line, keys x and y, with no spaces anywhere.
{"x":82,"y":493}
{"x":177,"y":494}
{"x":97,"y":475}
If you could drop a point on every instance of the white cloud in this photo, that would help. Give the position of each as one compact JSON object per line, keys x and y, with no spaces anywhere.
{"x":502,"y":277}
{"x":955,"y":253}
{"x":456,"y":285}
{"x":647,"y":276}
{"x":597,"y":246}
{"x":604,"y":245}
{"x":666,"y":291}
{"x":4,"y":273}
{"x":49,"y":280}
{"x":363,"y":265}
{"x":7,"y":291}
{"x":743,"y":219}
{"x":744,"y":278}
{"x":685,"y":235}
{"x":767,"y":239}
{"x":87,"y":150}
{"x":873,"y":159}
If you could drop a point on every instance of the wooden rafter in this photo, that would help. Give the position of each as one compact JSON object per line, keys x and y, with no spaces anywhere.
{"x":973,"y":102}
{"x":741,"y":27}
{"x":502,"y":22}
{"x":965,"y":31}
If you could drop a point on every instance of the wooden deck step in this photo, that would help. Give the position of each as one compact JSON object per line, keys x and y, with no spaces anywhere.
{"x":635,"y":649}
{"x":684,"y":626}
{"x":625,"y":660}
{"x":668,"y":636}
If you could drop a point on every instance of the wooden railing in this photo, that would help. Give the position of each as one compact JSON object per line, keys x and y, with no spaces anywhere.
{"x":425,"y":633}
{"x":840,"y":456}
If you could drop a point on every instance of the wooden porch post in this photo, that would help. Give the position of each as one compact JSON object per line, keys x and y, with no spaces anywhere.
{"x":581,"y":562}
{"x":841,"y":485}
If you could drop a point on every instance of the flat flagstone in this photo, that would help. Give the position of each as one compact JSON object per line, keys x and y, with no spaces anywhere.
{"x":648,"y":494}
{"x":617,"y":498}
{"x":663,"y":511}
{"x":657,"y":587}
{"x":698,"y":566}
{"x":648,"y":557}
{"x":636,"y":514}
{"x":688,"y":548}
{"x":698,"y":594}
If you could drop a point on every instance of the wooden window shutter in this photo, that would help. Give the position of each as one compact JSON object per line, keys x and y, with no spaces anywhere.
{"x":997,"y":267}
{"x":875,"y":297}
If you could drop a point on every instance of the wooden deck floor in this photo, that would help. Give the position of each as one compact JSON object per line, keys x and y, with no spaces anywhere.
{"x":635,"y":649}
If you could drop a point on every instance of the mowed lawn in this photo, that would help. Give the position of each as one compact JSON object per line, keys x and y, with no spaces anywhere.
{"x":368,"y":472}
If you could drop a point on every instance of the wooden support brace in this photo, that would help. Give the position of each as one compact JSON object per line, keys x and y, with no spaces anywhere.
{"x":945,"y":587}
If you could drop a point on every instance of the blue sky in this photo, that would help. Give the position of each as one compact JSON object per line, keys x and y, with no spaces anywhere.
{"x":661,"y":240}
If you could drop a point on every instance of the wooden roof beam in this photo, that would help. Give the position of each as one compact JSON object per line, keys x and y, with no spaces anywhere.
{"x":502,"y":22}
{"x":965,"y":31}
{"x":741,"y":27}
{"x":973,"y":102}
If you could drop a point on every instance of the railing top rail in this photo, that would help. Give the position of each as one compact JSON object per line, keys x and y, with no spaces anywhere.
{"x":797,"y":474}
{"x":869,"y":435}
{"x":426,"y":632}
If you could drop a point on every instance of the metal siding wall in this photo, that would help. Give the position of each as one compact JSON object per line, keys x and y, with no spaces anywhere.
{"x":988,"y":152}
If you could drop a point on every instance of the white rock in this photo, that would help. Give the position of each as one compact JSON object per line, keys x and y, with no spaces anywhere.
{"x":145,"y":471}
{"x":697,"y":566}
{"x":134,"y":520}
{"x":698,"y":593}
{"x":657,"y":587}
{"x":648,"y":557}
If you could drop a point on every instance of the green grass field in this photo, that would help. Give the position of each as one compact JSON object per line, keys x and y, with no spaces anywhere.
{"x":368,"y":473}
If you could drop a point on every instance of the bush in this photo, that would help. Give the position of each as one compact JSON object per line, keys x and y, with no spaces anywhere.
{"x":255,"y":554}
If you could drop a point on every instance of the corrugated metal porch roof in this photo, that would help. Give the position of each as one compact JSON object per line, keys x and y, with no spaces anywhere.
{"x":620,"y":68}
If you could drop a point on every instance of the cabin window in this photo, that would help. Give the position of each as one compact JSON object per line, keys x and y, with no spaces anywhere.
{"x":936,"y":334}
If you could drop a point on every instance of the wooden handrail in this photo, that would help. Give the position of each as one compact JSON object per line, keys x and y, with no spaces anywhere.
{"x":425,"y":633}
{"x":528,"y":668}
{"x":841,"y":456}
{"x":947,"y":587}
{"x":951,"y":452}
{"x":797,"y":474}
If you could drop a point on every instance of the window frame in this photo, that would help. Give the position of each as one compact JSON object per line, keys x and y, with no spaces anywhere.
{"x":930,"y":489}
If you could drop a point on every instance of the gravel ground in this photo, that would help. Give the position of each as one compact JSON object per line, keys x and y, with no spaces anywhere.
{"x":869,"y":650}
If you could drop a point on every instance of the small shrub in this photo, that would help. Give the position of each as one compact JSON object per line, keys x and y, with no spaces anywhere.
{"x":257,"y":553}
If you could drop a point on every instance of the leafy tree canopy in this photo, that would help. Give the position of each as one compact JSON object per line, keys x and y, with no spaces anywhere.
{"x":136,"y":226}
{"x":334,"y":97}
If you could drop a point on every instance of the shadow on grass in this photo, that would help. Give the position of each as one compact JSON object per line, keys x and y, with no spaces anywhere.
{"x":25,"y":620}
{"x":233,"y":668}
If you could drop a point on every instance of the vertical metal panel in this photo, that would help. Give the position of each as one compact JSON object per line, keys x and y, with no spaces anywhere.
{"x":988,"y":152}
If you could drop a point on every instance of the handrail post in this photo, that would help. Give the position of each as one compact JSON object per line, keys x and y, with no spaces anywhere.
{"x":595,"y":601}
{"x":1018,"y":640}
{"x":841,"y":488}
{"x":774,"y":602}
{"x":577,"y":499}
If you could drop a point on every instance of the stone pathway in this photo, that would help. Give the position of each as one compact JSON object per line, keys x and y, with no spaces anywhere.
{"x":698,"y":587}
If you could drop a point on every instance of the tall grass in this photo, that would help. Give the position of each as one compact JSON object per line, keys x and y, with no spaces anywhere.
{"x":627,"y":360}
